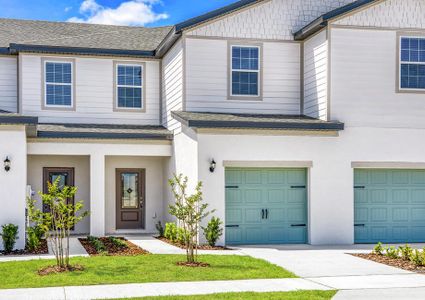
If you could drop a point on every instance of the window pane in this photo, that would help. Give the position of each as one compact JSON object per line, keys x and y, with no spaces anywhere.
{"x":244,"y":83}
{"x":412,"y":76}
{"x":58,"y":94}
{"x":129,"y":97}
{"x":58,"y":72}
{"x":129,"y":75}
{"x":245,"y":58}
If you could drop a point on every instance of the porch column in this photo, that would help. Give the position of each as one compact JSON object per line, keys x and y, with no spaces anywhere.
{"x":97,"y":194}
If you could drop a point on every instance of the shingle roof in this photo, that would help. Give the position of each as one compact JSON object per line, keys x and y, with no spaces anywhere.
{"x":101,"y":131}
{"x":65,"y":34}
{"x":254,"y":121}
{"x":322,"y":21}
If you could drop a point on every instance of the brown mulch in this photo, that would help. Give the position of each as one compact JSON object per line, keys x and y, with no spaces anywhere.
{"x":55,"y":270}
{"x":394,"y":262}
{"x":42,"y":249}
{"x":193,"y":264}
{"x":200,"y":247}
{"x":112,"y":249}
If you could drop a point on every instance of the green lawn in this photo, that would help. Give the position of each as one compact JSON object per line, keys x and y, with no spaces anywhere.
{"x":299,"y":295}
{"x":137,"y":269}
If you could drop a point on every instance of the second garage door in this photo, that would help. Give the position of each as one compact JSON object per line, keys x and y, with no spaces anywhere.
{"x":266,"y":206}
{"x":389,"y":206}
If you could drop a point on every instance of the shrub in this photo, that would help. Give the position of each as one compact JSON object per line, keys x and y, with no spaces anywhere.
{"x":9,"y":235}
{"x":379,"y":249}
{"x":213,"y":231}
{"x":160,"y":229}
{"x":34,"y":236}
{"x":118,"y":242}
{"x":182,"y":235}
{"x":392,"y":252}
{"x":97,"y":244}
{"x":406,"y":252}
{"x":417,"y":258}
{"x":170,"y":232}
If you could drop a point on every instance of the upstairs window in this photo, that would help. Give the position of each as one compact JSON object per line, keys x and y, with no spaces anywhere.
{"x":412,"y":63}
{"x":58,"y":84}
{"x":129,"y":86}
{"x":245,"y":72}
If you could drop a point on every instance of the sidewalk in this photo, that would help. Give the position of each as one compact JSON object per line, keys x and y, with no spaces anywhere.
{"x":160,"y":289}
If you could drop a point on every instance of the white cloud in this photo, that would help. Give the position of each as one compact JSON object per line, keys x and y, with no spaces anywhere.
{"x":68,"y":8}
{"x":133,"y":13}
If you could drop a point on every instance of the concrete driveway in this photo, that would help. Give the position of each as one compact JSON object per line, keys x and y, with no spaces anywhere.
{"x":334,"y":267}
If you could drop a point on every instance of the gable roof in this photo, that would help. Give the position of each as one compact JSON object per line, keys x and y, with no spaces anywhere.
{"x":215,"y":14}
{"x":323,"y":20}
{"x":64,"y":35}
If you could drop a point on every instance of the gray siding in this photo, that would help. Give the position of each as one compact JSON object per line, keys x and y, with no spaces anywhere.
{"x":8,"y":83}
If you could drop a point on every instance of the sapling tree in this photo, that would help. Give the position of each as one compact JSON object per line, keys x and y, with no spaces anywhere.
{"x":189,"y":211}
{"x":58,"y":222}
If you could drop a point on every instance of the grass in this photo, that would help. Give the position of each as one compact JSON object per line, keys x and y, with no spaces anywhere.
{"x":137,"y":269}
{"x":298,"y":295}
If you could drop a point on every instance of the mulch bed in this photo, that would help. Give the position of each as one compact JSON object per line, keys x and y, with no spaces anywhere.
{"x":112,"y":249}
{"x":394,"y":262}
{"x":200,"y":247}
{"x":43,"y":249}
{"x":55,"y":270}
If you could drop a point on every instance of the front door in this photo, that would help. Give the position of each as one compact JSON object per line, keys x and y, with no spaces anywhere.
{"x":130,"y":198}
{"x":66,"y":178}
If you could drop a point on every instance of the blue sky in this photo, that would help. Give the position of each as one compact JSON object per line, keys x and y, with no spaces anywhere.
{"x":119,"y":12}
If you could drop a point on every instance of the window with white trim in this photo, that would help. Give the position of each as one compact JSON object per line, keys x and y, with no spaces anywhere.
{"x":412,"y":63}
{"x":129,"y":86}
{"x":245,"y":72}
{"x":58,"y":84}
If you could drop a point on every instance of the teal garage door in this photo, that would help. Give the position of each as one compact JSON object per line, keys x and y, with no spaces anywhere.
{"x":266,"y":206}
{"x":389,"y":206}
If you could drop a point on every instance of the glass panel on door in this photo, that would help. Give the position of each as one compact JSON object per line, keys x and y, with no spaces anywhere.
{"x":130,"y":191}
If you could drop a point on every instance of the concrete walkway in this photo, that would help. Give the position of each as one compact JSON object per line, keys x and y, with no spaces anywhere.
{"x":160,"y":289}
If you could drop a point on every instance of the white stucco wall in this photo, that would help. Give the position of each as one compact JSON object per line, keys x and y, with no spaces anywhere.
{"x":81,"y":165}
{"x":13,"y":183}
{"x":154,"y":189}
{"x":331,"y":200}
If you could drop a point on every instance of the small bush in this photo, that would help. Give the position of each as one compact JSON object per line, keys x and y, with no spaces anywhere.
{"x":9,"y":235}
{"x":213,"y":231}
{"x":34,"y":236}
{"x":170,"y":232}
{"x":160,"y":229}
{"x":97,"y":244}
{"x":392,"y":252}
{"x":118,"y":242}
{"x":379,"y":249}
{"x":417,"y":258}
{"x":406,"y":252}
{"x":182,"y":236}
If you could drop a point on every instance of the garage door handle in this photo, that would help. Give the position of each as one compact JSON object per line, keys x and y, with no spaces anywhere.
{"x":262,"y":214}
{"x":232,"y":226}
{"x":297,"y":186}
{"x":359,"y":225}
{"x":232,"y":186}
{"x":359,"y":187}
{"x":298,"y":225}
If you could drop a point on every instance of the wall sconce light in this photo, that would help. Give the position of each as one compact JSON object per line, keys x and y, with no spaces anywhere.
{"x":7,"y":164}
{"x":212,"y":165}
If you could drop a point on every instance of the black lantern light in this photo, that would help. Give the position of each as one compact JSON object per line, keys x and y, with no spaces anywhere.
{"x":7,"y":164}
{"x":212,"y":165}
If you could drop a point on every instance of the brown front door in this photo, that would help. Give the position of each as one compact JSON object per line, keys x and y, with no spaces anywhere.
{"x":130,"y":186}
{"x":65,"y":175}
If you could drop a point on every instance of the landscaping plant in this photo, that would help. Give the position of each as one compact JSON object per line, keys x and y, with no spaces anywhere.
{"x":97,"y":244}
{"x":160,"y":229}
{"x":34,"y":236}
{"x":213,"y":231}
{"x":417,"y":257}
{"x":117,"y":242}
{"x":189,"y":211}
{"x":170,"y":232}
{"x":58,"y":222}
{"x":392,"y":252}
{"x":9,"y":235}
{"x":406,"y":252}
{"x":379,"y":249}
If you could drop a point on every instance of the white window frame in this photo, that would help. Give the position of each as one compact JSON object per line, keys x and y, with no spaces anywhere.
{"x":400,"y":62}
{"x":142,"y":87}
{"x":56,"y":83}
{"x":246,"y":71}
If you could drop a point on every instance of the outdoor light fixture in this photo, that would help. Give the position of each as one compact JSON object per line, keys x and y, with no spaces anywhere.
{"x":212,"y":165}
{"x":7,"y":164}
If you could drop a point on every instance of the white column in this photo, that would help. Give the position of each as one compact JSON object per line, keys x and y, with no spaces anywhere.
{"x":97,"y":194}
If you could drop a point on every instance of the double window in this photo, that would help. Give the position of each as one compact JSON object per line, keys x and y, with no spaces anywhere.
{"x":412,"y":63}
{"x":245,"y":71}
{"x":129,"y":86}
{"x":58,"y":83}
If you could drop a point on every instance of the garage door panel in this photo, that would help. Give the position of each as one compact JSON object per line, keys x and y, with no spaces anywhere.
{"x":280,"y":193}
{"x":393,"y":210}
